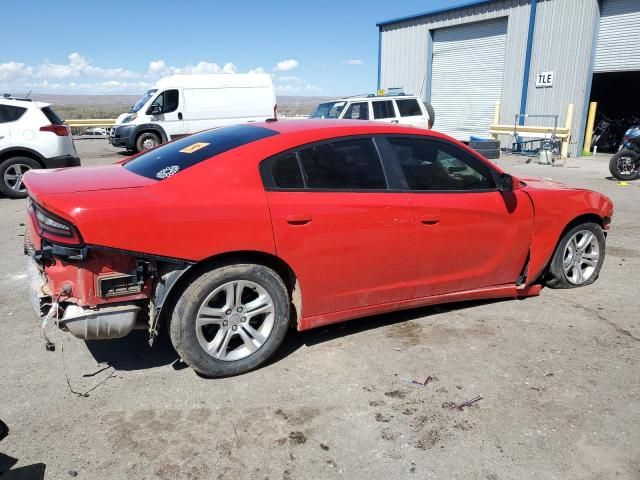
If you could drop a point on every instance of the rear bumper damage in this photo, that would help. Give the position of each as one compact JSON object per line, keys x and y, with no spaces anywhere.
{"x":97,"y":294}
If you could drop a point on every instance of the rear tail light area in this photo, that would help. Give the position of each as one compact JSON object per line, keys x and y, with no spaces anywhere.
{"x":59,"y":130}
{"x":52,"y":227}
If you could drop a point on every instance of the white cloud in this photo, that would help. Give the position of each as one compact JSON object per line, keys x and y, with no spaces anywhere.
{"x":353,"y":61}
{"x":286,"y":65}
{"x":256,"y":70}
{"x":12,"y":71}
{"x":80,"y":66}
{"x":159,"y":68}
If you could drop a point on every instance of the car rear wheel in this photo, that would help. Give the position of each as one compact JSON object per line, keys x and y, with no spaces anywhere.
{"x":578,"y":258}
{"x":147,"y":141}
{"x":11,"y":172}
{"x":230,"y":320}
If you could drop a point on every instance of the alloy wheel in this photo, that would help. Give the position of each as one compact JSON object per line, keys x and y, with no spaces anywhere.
{"x":235,"y":320}
{"x":581,"y":257}
{"x":13,"y":176}
{"x":149,"y":143}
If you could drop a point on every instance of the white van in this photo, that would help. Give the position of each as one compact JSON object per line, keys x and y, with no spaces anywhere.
{"x":180,"y":105}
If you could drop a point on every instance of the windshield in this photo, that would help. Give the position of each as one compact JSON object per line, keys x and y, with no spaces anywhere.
{"x":328,"y":110}
{"x":143,"y":100}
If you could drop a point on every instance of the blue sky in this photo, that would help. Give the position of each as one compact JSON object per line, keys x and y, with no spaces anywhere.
{"x":80,"y":47}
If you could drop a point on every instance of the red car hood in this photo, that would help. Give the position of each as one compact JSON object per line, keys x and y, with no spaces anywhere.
{"x":545,"y":183}
{"x":82,"y":179}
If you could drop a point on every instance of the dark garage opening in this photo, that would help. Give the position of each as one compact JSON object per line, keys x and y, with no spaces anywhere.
{"x":618,"y":97}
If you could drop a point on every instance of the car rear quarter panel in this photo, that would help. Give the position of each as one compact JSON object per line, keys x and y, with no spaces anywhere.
{"x":555,"y":209}
{"x":215,"y":207}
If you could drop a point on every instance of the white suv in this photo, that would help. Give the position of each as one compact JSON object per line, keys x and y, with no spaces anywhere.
{"x":402,"y":109}
{"x":31,"y":136}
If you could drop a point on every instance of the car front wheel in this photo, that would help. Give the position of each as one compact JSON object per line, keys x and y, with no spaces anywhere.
{"x":578,"y":258}
{"x":230,"y":320}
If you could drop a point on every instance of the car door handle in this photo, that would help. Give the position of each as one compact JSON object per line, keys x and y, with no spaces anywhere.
{"x":298,"y":218}
{"x":179,"y":115}
{"x":430,"y":219}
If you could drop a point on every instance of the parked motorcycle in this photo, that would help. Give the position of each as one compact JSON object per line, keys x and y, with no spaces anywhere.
{"x":625,"y":165}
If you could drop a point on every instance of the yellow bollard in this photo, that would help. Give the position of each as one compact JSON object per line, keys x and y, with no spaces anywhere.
{"x":591,"y":119}
{"x":564,"y":152}
{"x":496,"y":119}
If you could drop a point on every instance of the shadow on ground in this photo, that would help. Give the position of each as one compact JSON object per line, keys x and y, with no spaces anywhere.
{"x":132,"y":352}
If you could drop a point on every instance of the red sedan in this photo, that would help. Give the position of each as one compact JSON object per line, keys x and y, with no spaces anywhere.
{"x":231,"y":236}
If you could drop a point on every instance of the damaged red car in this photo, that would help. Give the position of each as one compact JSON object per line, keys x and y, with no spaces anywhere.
{"x":230,"y":237}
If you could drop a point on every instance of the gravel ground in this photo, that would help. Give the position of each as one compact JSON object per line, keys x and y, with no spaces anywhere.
{"x":558,"y":375}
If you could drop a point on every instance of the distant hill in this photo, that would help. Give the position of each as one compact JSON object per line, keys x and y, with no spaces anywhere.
{"x":109,"y":106}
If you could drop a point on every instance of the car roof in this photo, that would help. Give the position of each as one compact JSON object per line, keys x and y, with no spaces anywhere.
{"x":337,"y":128}
{"x":22,"y":102}
{"x":360,"y":98}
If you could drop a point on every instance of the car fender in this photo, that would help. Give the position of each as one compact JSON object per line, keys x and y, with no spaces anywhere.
{"x":17,"y":150}
{"x":147,"y":127}
{"x":554,"y":211}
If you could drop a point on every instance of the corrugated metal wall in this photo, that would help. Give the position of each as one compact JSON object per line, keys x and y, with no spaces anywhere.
{"x":618,"y":37}
{"x":468,"y":71}
{"x":563,"y":43}
{"x":406,"y":49}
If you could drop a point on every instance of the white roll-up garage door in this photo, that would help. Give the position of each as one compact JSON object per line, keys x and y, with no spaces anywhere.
{"x":466,"y":76}
{"x":618,"y":46}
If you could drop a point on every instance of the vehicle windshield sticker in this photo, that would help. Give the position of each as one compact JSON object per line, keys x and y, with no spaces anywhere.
{"x":169,"y":171}
{"x":194,"y":148}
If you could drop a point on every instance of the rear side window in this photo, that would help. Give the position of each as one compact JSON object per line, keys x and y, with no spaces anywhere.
{"x":286,"y":172}
{"x":357,"y":111}
{"x":343,"y":165}
{"x":383,"y":109}
{"x":167,"y":160}
{"x":409,"y":107}
{"x":9,"y":113}
{"x":52,"y":116}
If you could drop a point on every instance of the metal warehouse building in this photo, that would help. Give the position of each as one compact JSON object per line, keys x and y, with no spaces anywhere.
{"x":535,"y":57}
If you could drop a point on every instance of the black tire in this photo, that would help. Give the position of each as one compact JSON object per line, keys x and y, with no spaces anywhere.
{"x":614,"y":165}
{"x":556,"y":276}
{"x":148,"y":137}
{"x":7,"y":183}
{"x":183,"y":332}
{"x":432,"y":114}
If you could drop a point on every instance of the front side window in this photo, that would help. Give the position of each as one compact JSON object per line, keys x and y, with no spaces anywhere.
{"x":409,"y":107}
{"x":167,"y":101}
{"x":9,"y":113}
{"x":435,"y":165}
{"x":343,"y":165}
{"x":383,"y":109}
{"x":357,"y":111}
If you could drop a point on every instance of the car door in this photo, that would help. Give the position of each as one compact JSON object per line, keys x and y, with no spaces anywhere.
{"x":169,"y":116}
{"x":348,"y":238}
{"x":411,"y":113}
{"x":468,"y":234}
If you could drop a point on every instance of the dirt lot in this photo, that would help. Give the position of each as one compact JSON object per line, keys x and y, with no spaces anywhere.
{"x":558,"y":375}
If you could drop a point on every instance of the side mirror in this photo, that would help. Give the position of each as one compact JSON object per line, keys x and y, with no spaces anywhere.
{"x":154,"y":110}
{"x":505,"y":183}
